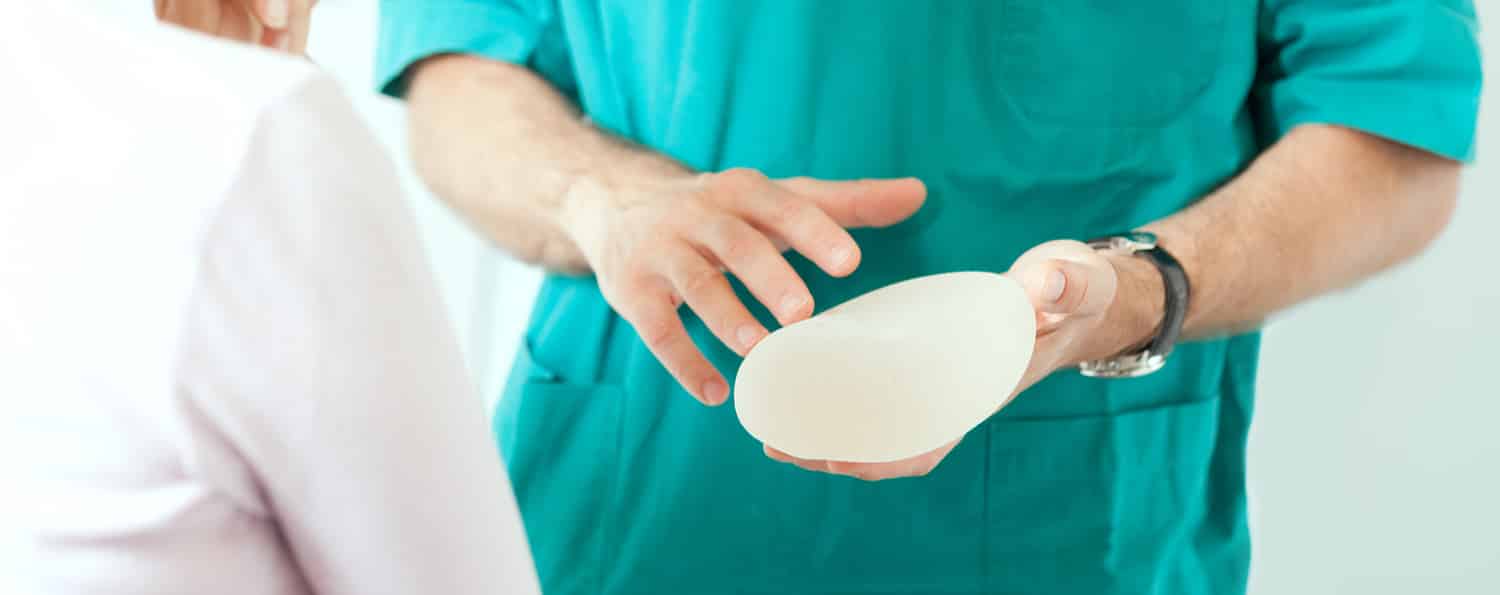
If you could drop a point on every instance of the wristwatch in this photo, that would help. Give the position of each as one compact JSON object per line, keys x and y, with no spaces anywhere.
{"x":1174,"y":281}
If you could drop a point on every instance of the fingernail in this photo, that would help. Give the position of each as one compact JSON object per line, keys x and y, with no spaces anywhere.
{"x":791,"y":305}
{"x":277,"y":13}
{"x":747,"y":336}
{"x":1052,"y":289}
{"x":714,"y":392}
{"x":840,"y":256}
{"x":284,"y":43}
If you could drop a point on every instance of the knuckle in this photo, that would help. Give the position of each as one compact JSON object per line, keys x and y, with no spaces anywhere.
{"x":611,"y":294}
{"x":691,"y":225}
{"x":656,"y":334}
{"x":735,"y":181}
{"x":635,"y":281}
{"x":644,"y":260}
{"x":735,"y":250}
{"x":701,"y":281}
{"x":687,"y":214}
{"x":788,"y":211}
{"x":732,"y":242}
{"x":627,"y":267}
{"x":619,"y":289}
{"x":655,"y":258}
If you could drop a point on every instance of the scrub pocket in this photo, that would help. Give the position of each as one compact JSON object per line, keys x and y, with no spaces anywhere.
{"x":1116,"y":63}
{"x":1097,"y":503}
{"x":560,"y":444}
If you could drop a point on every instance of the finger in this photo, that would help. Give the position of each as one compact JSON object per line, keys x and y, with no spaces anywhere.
{"x":275,"y":39}
{"x":708,"y":293}
{"x":171,"y":11}
{"x":805,"y":227}
{"x":859,"y":470}
{"x":808,"y":464}
{"x":273,"y":14}
{"x":299,"y":22}
{"x":751,"y":256}
{"x":196,"y":15}
{"x":659,"y":327}
{"x":863,"y":203}
{"x":802,"y":224}
{"x":917,"y":466}
{"x":237,"y":22}
{"x":862,"y":471}
{"x":914,"y":467}
{"x":776,"y":454}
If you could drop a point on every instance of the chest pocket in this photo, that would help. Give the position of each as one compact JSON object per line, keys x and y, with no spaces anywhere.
{"x":1108,"y":62}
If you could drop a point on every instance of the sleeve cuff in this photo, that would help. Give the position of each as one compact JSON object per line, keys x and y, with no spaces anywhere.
{"x":1419,"y":116}
{"x":416,"y":29}
{"x":1405,"y":70}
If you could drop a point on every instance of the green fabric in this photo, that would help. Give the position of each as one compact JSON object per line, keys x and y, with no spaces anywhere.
{"x":1029,"y":120}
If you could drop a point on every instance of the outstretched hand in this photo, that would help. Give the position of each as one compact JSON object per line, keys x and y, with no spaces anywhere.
{"x":671,"y":242}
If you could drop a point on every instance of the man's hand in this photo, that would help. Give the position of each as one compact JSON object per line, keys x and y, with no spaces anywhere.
{"x":276,"y":24}
{"x":657,"y":246}
{"x":1088,"y":306}
{"x":548,"y":186}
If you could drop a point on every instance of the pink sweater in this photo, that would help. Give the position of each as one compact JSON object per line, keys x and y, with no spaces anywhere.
{"x":224,"y":366}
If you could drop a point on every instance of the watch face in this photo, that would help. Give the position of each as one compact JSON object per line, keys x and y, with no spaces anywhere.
{"x":1140,"y":240}
{"x":1126,"y":243}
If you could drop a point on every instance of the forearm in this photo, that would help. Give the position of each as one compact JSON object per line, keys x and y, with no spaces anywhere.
{"x":1321,"y":210}
{"x":512,"y":155}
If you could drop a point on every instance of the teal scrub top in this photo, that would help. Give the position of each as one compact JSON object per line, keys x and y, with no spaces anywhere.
{"x":1028,"y":120}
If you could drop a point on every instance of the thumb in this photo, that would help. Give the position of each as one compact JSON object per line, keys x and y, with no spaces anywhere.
{"x":1066,"y":280}
{"x":862,"y":203}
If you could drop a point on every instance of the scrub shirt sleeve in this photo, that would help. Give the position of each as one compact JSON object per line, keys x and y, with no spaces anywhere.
{"x":1405,"y":70}
{"x":411,"y":30}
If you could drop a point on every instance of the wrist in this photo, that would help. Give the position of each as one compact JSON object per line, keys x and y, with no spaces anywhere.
{"x":593,"y":199}
{"x":581,"y":213}
{"x":1135,"y":315}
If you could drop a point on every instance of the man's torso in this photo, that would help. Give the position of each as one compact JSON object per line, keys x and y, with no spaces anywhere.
{"x":1028,"y":121}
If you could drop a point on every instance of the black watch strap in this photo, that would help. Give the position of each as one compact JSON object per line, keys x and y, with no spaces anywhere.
{"x":1174,"y":311}
{"x":1175,"y":282}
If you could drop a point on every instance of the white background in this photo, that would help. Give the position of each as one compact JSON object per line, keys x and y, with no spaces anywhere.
{"x":1375,"y":452}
